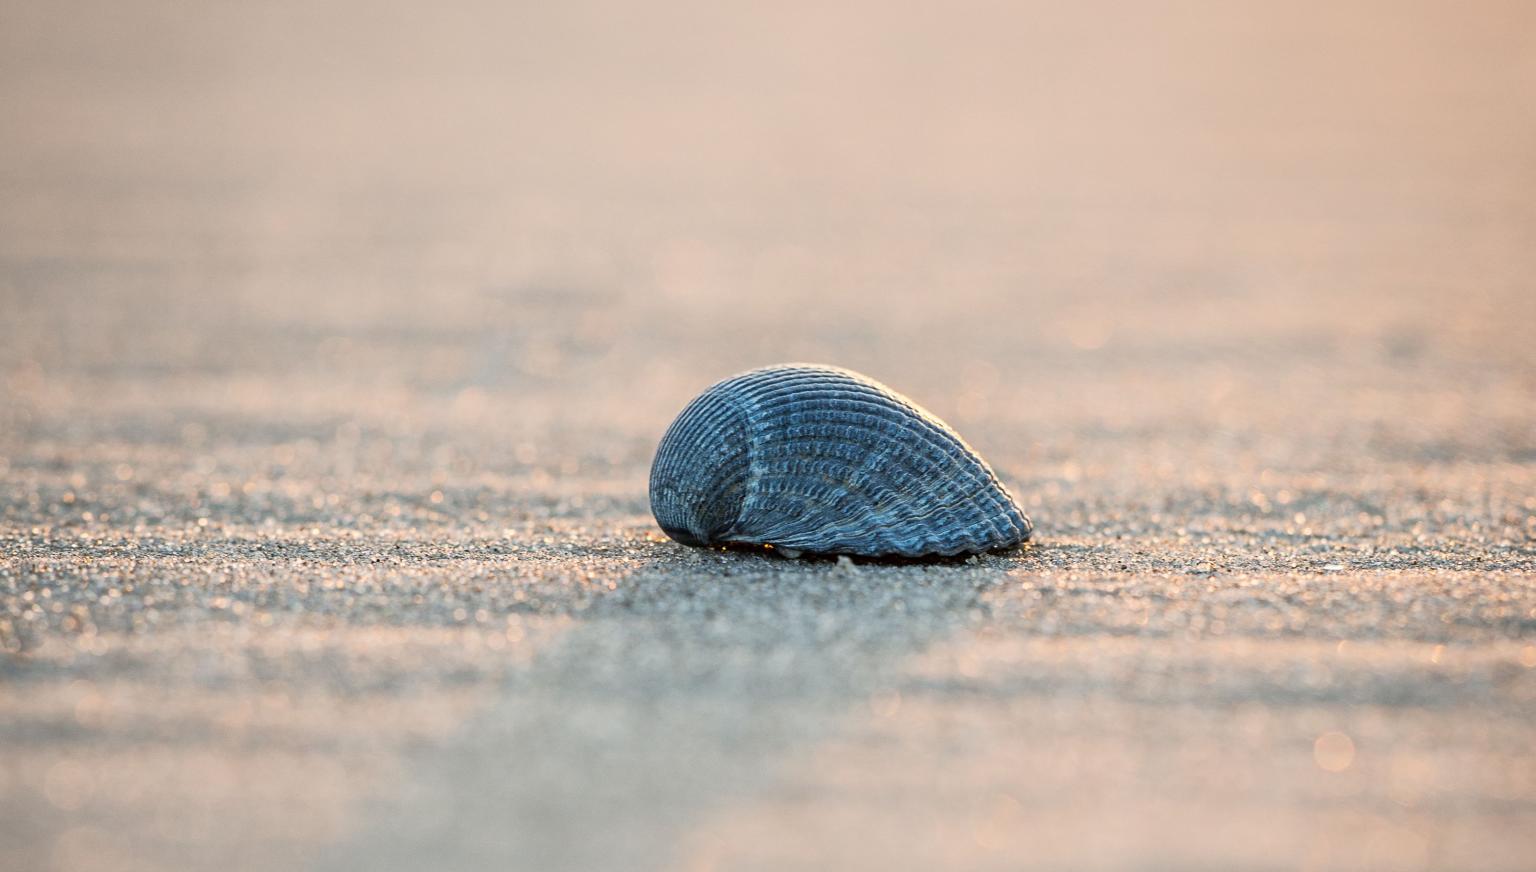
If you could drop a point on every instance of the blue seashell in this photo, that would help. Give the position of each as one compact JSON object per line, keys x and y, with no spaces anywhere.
{"x":819,"y":459}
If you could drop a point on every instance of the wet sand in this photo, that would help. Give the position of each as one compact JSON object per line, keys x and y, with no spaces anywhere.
{"x":334,"y":346}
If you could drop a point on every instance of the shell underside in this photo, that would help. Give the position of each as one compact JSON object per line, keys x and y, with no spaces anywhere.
{"x":823,"y":460}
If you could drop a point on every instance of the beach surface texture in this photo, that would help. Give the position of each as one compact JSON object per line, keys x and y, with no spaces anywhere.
{"x":336,"y":341}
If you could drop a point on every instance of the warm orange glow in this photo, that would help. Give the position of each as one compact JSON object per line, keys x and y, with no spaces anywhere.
{"x":1333,"y":751}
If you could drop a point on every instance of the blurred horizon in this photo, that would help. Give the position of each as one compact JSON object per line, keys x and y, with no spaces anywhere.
{"x":977,"y":98}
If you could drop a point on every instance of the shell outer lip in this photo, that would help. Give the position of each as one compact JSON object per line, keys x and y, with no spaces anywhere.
{"x":1023,"y":548}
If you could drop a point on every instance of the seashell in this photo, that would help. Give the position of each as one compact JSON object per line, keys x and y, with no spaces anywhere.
{"x":818,"y":459}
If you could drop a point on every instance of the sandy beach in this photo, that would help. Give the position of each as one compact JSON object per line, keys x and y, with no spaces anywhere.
{"x":335,"y":342}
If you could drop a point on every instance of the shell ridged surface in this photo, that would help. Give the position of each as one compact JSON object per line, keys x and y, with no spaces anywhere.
{"x":824,"y":460}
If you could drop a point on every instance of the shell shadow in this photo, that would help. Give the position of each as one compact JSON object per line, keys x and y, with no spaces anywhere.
{"x":685,"y":680}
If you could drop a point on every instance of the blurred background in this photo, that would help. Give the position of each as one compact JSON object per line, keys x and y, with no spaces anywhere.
{"x":1215,"y":286}
{"x":515,"y":200}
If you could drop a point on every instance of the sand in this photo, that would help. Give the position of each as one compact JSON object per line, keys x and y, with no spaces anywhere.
{"x":334,"y":345}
